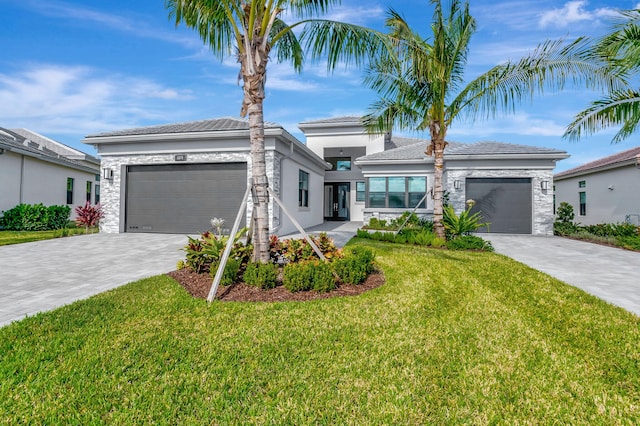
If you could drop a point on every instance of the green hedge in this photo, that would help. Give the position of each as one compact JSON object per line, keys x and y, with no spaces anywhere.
{"x":35,"y":217}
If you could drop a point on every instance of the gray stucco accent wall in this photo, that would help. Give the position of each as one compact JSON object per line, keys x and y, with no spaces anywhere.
{"x":542,"y":202}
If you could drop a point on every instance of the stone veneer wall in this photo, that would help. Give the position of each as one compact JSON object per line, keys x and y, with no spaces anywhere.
{"x":112,"y":192}
{"x":542,"y":202}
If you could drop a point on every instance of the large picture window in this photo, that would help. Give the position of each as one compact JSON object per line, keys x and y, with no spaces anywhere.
{"x":303,"y":189}
{"x":396,"y":192}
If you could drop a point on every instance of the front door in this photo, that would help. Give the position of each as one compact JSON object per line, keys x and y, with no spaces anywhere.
{"x":336,"y":201}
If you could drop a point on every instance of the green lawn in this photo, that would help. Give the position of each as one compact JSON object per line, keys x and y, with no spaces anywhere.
{"x":451,"y":338}
{"x":17,"y":237}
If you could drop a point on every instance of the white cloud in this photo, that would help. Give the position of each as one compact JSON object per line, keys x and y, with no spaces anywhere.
{"x":80,"y":100}
{"x":79,"y":15}
{"x":572,"y":12}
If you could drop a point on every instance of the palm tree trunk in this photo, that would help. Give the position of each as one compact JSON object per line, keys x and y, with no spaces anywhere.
{"x":253,"y":87}
{"x":437,"y":147}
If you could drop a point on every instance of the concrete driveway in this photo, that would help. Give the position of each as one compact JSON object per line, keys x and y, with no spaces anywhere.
{"x":44,"y":275}
{"x":609,"y":273}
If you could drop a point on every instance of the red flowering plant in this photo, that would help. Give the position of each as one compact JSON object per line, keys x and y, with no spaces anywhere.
{"x":88,"y":215}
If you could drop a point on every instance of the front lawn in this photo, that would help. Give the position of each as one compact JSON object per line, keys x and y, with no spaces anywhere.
{"x":17,"y":237}
{"x":452,"y":337}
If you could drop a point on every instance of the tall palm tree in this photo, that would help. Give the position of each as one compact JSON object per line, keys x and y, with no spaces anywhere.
{"x":422,"y":86}
{"x":252,"y":30}
{"x":621,"y":49}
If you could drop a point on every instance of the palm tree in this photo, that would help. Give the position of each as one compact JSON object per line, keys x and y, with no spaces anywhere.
{"x":251,"y":30}
{"x":621,"y":49}
{"x":422,"y":86}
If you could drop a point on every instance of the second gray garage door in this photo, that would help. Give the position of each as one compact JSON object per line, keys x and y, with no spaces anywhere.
{"x":182,"y":198}
{"x":504,"y":202}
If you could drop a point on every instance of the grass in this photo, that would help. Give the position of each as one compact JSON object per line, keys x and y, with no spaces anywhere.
{"x":18,"y":237}
{"x":452,"y":337}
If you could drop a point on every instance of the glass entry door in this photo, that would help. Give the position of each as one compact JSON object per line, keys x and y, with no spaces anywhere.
{"x":336,"y":201}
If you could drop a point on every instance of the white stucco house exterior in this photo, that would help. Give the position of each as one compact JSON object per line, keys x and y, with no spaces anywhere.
{"x":35,"y":169}
{"x":603,"y":191}
{"x":176,"y":177}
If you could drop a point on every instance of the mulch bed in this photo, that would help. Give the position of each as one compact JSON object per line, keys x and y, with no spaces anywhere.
{"x":198,"y":285}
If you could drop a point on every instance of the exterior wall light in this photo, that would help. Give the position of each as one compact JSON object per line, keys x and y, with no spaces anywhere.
{"x":457,"y":184}
{"x":107,"y":173}
{"x":544,"y":185}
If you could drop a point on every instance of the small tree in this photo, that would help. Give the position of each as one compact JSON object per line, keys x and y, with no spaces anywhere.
{"x":88,"y":215}
{"x":564,"y":224}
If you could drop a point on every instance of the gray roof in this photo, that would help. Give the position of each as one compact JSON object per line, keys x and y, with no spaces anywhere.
{"x":631,"y":155}
{"x":212,"y":125}
{"x":55,"y":147}
{"x":347,"y":119}
{"x":416,"y":150}
{"x":15,"y":142}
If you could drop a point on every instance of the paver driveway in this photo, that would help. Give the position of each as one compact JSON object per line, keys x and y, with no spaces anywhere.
{"x":43,"y":275}
{"x":609,"y":273}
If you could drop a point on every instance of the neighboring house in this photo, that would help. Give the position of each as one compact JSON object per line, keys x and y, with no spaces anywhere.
{"x":382,"y":176}
{"x":603,"y":191}
{"x":176,"y":177}
{"x":35,"y":169}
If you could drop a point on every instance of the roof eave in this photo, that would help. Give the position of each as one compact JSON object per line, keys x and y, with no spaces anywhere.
{"x":569,"y":174}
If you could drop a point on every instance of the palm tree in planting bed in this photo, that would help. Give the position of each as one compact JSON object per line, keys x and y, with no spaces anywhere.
{"x":621,"y":49}
{"x":252,"y":30}
{"x":422,"y":86}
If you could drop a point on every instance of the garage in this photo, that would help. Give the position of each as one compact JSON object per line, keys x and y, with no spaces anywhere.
{"x":182,"y":198}
{"x":505,"y":203}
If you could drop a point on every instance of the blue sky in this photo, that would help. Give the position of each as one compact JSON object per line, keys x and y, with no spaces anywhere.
{"x":73,"y":68}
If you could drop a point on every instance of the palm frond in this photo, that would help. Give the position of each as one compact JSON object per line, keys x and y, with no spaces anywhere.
{"x":552,"y":66}
{"x":287,"y":45}
{"x":620,"y":108}
{"x":338,"y":42}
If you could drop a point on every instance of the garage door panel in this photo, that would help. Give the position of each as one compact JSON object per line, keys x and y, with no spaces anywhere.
{"x":183,"y":198}
{"x":505,"y":203}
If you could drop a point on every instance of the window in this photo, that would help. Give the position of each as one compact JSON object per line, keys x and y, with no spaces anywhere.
{"x":88,"y":191}
{"x":303,"y":189}
{"x":417,"y":186}
{"x":339,"y":163}
{"x":396,"y":192}
{"x":97,"y":194}
{"x":397,"y":187}
{"x":377,"y":192}
{"x":360,"y":191}
{"x":583,"y":204}
{"x":97,"y":177}
{"x":69,"y":190}
{"x":582,"y":184}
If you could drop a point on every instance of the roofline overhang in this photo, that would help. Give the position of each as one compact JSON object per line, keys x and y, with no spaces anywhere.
{"x":46,"y":158}
{"x":212,"y":134}
{"x":454,"y":157}
{"x":569,"y":174}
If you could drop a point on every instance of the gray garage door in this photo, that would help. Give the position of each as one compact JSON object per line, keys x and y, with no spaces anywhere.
{"x":504,"y":202}
{"x":183,"y":198}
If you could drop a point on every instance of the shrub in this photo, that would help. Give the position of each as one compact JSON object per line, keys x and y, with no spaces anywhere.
{"x":355,"y":266}
{"x":35,"y":217}
{"x":469,"y":242}
{"x":261,"y":275}
{"x":463,"y":224}
{"x":565,"y":213}
{"x":564,"y":225}
{"x":304,"y":276}
{"x":202,"y":252}
{"x":630,"y":243}
{"x":230,"y":274}
{"x":612,"y":229}
{"x":88,"y":215}
{"x":438,"y":242}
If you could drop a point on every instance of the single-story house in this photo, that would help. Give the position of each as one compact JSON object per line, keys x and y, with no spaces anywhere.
{"x":603,"y":191}
{"x":35,"y":169}
{"x":176,"y":177}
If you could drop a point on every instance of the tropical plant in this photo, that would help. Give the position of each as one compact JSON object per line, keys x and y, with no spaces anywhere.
{"x":88,"y":215}
{"x":564,"y":224}
{"x":458,"y":225}
{"x":422,"y":86}
{"x":254,"y":32}
{"x":621,"y":107}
